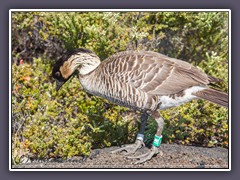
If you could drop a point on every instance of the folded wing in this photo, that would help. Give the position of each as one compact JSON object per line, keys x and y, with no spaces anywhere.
{"x":154,"y":73}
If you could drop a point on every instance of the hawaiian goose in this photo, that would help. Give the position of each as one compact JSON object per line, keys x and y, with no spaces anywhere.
{"x":142,"y":80}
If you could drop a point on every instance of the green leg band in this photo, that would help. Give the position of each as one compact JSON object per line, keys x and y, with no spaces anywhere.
{"x":157,"y":141}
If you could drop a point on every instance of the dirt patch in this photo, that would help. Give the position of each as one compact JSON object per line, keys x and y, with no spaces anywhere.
{"x":174,"y":156}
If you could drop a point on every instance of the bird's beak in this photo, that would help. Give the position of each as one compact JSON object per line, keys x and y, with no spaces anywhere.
{"x":58,"y":85}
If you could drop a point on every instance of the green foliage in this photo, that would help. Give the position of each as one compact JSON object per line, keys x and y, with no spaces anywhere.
{"x":48,"y":124}
{"x":184,"y":35}
{"x":197,"y":123}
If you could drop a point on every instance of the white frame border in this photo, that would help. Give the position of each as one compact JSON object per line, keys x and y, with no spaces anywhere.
{"x":118,"y":10}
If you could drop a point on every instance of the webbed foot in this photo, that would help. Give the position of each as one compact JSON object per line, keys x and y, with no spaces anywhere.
{"x":130,"y":148}
{"x":147,"y":156}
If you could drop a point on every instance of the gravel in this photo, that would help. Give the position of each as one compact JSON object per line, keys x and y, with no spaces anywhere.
{"x":174,"y":156}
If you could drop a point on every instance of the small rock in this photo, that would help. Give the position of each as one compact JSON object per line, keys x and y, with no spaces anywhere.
{"x":25,"y":160}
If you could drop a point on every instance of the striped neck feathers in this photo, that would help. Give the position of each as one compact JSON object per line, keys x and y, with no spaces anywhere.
{"x":83,"y":62}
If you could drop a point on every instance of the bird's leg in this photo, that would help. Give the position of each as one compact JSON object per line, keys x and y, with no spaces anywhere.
{"x":132,"y":148}
{"x":156,"y":143}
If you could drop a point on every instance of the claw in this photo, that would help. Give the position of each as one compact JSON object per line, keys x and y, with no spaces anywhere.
{"x":131,"y":148}
{"x":147,"y":156}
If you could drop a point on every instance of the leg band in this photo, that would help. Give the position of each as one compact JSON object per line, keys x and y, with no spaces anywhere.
{"x":140,"y":137}
{"x":157,"y":141}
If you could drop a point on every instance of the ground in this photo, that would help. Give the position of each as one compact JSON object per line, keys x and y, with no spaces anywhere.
{"x":174,"y":156}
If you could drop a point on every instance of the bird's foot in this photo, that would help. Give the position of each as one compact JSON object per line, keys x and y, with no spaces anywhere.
{"x":130,"y":148}
{"x":147,"y":156}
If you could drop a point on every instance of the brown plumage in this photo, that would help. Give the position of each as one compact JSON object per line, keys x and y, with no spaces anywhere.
{"x":138,"y":78}
{"x":142,"y":80}
{"x":154,"y":73}
{"x":214,"y":96}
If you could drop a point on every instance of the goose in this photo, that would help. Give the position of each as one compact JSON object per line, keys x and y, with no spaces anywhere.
{"x":144,"y":81}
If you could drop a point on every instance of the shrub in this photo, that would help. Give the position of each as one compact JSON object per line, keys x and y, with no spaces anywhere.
{"x":48,"y":124}
{"x":185,"y":35}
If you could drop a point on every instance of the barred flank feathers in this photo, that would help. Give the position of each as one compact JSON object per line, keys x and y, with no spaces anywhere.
{"x":215,"y":96}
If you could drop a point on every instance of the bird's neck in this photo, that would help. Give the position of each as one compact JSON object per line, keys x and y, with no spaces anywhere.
{"x":89,"y":65}
{"x":86,"y":63}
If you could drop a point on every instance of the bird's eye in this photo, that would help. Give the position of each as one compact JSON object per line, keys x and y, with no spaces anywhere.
{"x":57,"y":74}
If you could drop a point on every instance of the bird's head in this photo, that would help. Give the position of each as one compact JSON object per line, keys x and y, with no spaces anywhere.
{"x":80,"y":59}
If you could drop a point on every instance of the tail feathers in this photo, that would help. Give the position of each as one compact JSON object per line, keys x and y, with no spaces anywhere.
{"x":215,"y":96}
{"x":213,"y":79}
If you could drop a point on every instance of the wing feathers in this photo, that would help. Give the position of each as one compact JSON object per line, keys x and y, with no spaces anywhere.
{"x":154,"y":73}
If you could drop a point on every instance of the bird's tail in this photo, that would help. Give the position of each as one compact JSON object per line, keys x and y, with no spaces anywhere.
{"x":213,"y":95}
